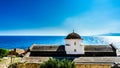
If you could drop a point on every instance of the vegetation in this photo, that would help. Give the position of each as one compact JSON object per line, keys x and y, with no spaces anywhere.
{"x":3,"y":52}
{"x":55,"y":63}
{"x":0,"y":60}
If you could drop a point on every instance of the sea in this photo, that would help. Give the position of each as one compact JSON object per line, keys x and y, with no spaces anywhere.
{"x":24,"y":42}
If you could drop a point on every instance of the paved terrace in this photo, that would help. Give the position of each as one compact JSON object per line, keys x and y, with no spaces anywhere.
{"x":80,"y":60}
{"x":111,"y":60}
{"x":34,"y":59}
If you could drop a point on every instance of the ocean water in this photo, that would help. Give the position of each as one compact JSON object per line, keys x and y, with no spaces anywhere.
{"x":25,"y":42}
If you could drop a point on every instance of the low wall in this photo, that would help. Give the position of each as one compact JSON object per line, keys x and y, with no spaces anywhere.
{"x":93,"y":66}
{"x":28,"y":65}
{"x":36,"y":65}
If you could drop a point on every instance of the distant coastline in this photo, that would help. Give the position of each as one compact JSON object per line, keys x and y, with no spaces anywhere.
{"x":110,"y":34}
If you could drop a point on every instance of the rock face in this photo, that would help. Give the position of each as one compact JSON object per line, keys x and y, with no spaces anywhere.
{"x":17,"y":52}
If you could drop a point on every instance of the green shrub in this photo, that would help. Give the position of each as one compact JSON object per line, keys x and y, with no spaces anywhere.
{"x":54,"y":63}
{"x":3,"y":52}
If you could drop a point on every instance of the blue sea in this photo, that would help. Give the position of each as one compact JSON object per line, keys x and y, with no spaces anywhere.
{"x":25,"y":42}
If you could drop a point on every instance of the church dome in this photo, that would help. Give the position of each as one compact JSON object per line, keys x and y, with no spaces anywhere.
{"x":73,"y":35}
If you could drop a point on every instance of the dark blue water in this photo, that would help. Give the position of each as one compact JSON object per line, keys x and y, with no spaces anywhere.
{"x":25,"y":42}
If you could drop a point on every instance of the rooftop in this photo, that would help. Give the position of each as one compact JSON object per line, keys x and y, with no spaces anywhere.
{"x":39,"y":47}
{"x":98,"y":48}
{"x":79,"y":60}
{"x":73,"y":35}
{"x":97,"y":60}
{"x":34,"y":59}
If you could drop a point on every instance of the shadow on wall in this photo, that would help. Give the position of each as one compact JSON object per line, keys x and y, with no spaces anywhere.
{"x":13,"y":65}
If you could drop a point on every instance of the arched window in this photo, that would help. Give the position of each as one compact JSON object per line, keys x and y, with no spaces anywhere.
{"x":74,"y":43}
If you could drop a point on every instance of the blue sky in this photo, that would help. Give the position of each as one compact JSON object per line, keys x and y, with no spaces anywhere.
{"x":59,"y":17}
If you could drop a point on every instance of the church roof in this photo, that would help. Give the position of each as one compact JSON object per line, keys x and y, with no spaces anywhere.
{"x":73,"y":35}
{"x":98,"y":48}
{"x":37,"y":47}
{"x":88,"y":48}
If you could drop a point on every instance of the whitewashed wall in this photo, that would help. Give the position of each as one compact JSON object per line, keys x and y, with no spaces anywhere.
{"x":70,"y":47}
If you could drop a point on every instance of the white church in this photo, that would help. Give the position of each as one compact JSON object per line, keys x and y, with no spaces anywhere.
{"x":71,"y":48}
{"x":73,"y":44}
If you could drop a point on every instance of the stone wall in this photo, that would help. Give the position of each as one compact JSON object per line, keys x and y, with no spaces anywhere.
{"x":93,"y":66}
{"x":28,"y":65}
{"x":37,"y":65}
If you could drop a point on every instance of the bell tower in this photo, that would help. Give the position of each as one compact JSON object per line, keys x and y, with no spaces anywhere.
{"x":73,"y":44}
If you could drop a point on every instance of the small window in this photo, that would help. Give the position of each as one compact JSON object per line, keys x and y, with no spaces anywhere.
{"x":74,"y":43}
{"x":67,"y":44}
{"x":74,"y":50}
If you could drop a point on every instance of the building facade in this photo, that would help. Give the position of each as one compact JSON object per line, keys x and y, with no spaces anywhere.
{"x":73,"y":44}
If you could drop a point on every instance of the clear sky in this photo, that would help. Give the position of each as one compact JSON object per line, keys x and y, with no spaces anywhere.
{"x":59,"y":17}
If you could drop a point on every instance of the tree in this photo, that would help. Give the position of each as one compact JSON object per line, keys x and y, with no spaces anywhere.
{"x":55,"y":63}
{"x":3,"y":52}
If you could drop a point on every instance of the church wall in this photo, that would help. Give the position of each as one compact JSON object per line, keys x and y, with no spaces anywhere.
{"x":95,"y":54}
{"x":63,"y":54}
{"x":73,"y":46}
